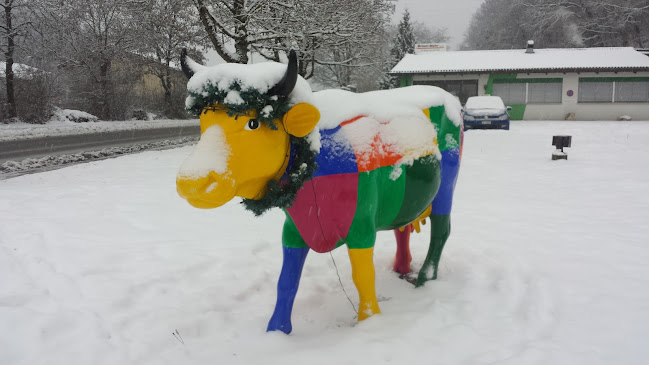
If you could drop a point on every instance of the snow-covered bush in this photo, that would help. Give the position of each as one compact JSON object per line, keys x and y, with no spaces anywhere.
{"x":75,"y":116}
{"x":140,"y":115}
{"x":11,"y":120}
{"x":34,"y":91}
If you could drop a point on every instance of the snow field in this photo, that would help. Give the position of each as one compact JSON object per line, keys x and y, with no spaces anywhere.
{"x":546,"y":263}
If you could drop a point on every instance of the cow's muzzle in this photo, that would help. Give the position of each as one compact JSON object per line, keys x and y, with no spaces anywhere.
{"x":207,"y":192}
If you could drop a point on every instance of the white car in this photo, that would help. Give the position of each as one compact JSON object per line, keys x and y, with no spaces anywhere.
{"x":485,"y":112}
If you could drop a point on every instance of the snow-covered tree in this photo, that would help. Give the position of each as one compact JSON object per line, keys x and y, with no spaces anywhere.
{"x":424,"y":33}
{"x":344,"y":62}
{"x":503,"y":24}
{"x":335,"y":33}
{"x":593,"y":23}
{"x":404,"y":43}
{"x":498,"y":24}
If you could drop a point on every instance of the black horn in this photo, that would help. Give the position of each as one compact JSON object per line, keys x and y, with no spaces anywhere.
{"x":285,"y":86}
{"x":183,"y":64}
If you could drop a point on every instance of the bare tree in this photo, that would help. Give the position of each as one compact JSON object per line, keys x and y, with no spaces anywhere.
{"x":168,"y":27}
{"x":337,"y":34}
{"x":11,"y":28}
{"x":237,"y":22}
{"x":322,"y":32}
{"x":87,"y":38}
{"x":343,"y":61}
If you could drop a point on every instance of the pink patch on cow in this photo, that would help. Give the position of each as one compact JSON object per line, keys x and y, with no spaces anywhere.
{"x":324,"y":210}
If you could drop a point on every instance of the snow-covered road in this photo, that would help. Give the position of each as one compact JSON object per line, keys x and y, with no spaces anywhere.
{"x":546,"y":264}
{"x":18,"y":150}
{"x":27,"y":148}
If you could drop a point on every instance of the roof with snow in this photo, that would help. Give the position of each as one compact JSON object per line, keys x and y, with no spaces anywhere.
{"x":517,"y":60}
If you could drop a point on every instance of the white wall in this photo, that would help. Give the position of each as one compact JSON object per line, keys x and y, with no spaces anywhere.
{"x":569,"y":104}
{"x":586,"y":111}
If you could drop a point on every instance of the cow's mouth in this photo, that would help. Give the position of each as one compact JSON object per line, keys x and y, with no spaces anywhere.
{"x":208,"y":192}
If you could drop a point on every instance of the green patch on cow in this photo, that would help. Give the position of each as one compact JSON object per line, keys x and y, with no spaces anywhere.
{"x":448,"y":134}
{"x":380,"y":195}
{"x":290,"y":235}
{"x":422,"y":183}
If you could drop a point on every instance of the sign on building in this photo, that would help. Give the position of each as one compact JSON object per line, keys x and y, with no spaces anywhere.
{"x":429,"y":47}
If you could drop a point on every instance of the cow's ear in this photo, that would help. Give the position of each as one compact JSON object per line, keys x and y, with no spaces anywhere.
{"x":301,"y":119}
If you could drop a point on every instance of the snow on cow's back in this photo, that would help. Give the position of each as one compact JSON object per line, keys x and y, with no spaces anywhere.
{"x":387,"y":122}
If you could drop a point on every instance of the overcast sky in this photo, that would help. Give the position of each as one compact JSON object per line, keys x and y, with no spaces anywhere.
{"x":454,"y":15}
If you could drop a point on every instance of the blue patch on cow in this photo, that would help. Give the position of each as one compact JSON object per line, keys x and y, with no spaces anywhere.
{"x":450,"y":167}
{"x":336,"y":154}
{"x":291,"y":158}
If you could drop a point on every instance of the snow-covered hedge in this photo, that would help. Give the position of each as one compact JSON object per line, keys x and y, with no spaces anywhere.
{"x":140,"y":114}
{"x":76,"y":116}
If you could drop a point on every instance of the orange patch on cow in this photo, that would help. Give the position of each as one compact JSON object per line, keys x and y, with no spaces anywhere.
{"x":378,"y":155}
{"x":351,"y":120}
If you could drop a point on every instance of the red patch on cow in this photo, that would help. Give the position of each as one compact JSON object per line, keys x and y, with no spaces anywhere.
{"x":324,"y":209}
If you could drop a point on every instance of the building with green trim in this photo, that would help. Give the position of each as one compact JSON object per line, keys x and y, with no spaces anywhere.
{"x":542,"y":84}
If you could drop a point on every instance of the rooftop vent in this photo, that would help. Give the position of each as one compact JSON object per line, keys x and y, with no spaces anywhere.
{"x":530,"y":46}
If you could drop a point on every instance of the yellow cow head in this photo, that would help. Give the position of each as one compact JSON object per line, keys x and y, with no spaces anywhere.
{"x":237,"y":155}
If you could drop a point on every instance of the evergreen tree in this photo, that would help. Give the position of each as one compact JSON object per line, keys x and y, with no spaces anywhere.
{"x":404,"y":43}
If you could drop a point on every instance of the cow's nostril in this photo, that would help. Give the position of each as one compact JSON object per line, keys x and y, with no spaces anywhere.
{"x":211,"y":187}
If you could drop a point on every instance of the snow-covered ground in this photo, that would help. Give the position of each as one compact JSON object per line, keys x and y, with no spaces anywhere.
{"x":546,"y":264}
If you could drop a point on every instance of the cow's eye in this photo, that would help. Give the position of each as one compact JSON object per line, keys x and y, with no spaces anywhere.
{"x":252,"y":124}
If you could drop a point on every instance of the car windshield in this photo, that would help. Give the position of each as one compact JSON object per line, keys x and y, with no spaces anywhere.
{"x":484,"y":102}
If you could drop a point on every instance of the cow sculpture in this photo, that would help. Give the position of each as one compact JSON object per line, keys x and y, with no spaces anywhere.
{"x":341,"y":165}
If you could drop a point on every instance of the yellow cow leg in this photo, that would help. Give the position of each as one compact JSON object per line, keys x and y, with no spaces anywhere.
{"x":363,"y":275}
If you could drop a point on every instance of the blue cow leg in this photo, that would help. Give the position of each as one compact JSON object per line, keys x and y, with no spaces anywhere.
{"x":289,"y":280}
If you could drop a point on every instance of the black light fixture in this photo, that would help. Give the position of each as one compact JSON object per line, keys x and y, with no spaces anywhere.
{"x":560,"y":142}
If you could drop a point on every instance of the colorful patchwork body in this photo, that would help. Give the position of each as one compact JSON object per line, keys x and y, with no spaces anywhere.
{"x":356,"y":192}
{"x":326,"y":212}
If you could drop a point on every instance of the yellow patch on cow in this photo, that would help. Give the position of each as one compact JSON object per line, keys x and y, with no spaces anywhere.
{"x":256,"y":156}
{"x":427,"y":113}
